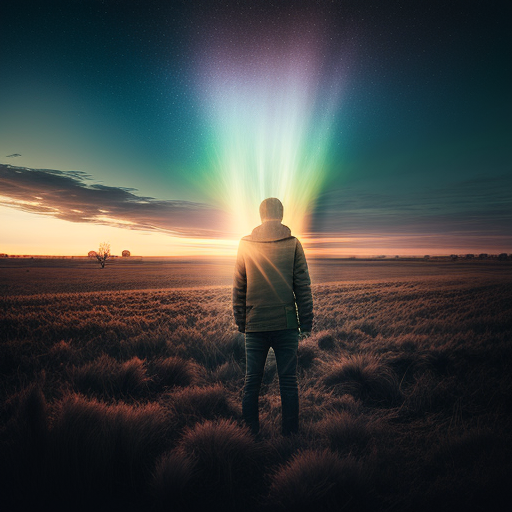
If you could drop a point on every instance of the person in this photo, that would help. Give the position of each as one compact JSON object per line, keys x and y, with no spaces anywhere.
{"x":273,"y":306}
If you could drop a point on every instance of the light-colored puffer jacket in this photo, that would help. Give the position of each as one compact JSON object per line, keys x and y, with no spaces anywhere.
{"x":271,"y":284}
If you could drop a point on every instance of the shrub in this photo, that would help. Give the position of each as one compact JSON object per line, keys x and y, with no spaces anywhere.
{"x":321,"y":480}
{"x":171,"y":372}
{"x":406,"y":365}
{"x":203,"y":348}
{"x":172,"y":481}
{"x":429,"y":394}
{"x":146,"y":344}
{"x":366,"y":377}
{"x":83,"y":441}
{"x":410,"y":365}
{"x":325,"y":340}
{"x":306,"y":355}
{"x":106,"y":377}
{"x":23,"y":450}
{"x":193,"y":404}
{"x":234,"y":347}
{"x":62,"y":353}
{"x":226,"y":465}
{"x":230,"y":371}
{"x":346,"y":432}
{"x":143,"y":433}
{"x":132,"y":379}
{"x":101,"y":451}
{"x":31,"y":418}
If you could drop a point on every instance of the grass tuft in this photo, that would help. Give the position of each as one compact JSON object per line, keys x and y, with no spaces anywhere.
{"x":321,"y":480}
{"x":230,"y":372}
{"x":172,"y":372}
{"x":325,"y":340}
{"x":366,"y":377}
{"x":306,"y":355}
{"x":226,"y":465}
{"x":102,"y":450}
{"x":194,"y":403}
{"x":346,"y":432}
{"x":173,"y":481}
{"x":23,"y":449}
{"x":106,"y":377}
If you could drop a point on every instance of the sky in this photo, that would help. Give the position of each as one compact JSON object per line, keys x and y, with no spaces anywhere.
{"x":384,"y":127}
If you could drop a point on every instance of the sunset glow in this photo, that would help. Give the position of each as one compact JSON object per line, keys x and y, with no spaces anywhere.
{"x":162,"y":130}
{"x":32,"y":234}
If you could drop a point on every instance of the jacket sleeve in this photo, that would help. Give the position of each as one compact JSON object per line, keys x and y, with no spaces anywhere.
{"x":239,"y":290}
{"x":302,"y":289}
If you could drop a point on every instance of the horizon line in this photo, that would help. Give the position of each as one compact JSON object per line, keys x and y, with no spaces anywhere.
{"x":468,"y":255}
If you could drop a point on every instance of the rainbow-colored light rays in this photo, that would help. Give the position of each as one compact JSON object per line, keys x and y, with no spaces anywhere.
{"x":270,"y":115}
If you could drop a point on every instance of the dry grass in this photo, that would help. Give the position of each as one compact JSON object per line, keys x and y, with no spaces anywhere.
{"x":105,"y":377}
{"x":365,"y":377}
{"x":321,"y":480}
{"x":132,"y":399}
{"x":346,"y":432}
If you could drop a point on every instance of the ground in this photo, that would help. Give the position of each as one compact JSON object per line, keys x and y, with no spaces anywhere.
{"x":121,"y":388}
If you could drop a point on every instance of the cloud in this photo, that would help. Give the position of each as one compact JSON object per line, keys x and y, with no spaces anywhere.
{"x":478,"y":208}
{"x":67,"y":195}
{"x":468,"y":213}
{"x":14,"y":155}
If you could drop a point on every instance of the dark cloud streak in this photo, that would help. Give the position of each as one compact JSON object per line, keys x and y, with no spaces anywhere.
{"x":66,"y":195}
{"x":476,"y":210}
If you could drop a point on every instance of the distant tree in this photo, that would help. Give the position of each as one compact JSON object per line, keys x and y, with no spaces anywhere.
{"x":103,"y":253}
{"x":91,"y":254}
{"x":470,"y":256}
{"x":503,"y":256}
{"x":427,"y":256}
{"x":482,"y":256}
{"x":125,"y":254}
{"x":454,"y":257}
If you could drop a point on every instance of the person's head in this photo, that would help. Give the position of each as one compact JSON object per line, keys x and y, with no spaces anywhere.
{"x":271,"y":209}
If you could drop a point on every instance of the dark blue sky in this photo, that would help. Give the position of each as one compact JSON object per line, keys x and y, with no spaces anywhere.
{"x":419,"y":142}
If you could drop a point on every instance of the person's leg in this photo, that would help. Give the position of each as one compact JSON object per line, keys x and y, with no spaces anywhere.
{"x":256,"y":350}
{"x":285,"y":344}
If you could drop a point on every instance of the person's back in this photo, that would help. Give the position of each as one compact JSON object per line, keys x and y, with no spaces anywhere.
{"x":271,"y":300}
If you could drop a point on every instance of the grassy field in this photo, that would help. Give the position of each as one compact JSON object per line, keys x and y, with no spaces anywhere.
{"x":121,"y":390}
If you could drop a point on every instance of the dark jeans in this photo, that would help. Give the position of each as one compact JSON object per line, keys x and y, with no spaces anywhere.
{"x":257,"y":345}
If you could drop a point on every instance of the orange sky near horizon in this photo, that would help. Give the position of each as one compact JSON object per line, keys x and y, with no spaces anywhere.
{"x":25,"y":233}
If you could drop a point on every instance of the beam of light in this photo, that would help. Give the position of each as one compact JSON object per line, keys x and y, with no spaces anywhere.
{"x":267,"y":268}
{"x":270,"y":115}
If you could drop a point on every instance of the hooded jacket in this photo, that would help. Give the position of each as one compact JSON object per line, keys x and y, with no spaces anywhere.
{"x":271,"y":283}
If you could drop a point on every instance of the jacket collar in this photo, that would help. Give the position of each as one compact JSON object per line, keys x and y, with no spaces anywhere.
{"x":269,"y":231}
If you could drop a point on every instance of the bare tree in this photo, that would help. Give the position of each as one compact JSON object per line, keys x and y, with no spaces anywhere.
{"x":103,"y":253}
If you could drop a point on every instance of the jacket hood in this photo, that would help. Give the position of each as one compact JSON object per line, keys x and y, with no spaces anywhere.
{"x":269,"y":231}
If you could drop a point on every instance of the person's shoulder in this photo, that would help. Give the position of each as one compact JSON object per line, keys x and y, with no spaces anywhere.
{"x":287,"y":231}
{"x":298,"y":246}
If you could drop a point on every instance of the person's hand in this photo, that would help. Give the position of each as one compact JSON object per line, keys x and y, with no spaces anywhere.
{"x":304,"y":335}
